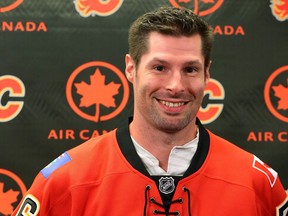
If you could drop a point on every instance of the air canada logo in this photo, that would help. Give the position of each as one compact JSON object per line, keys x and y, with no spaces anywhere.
{"x":279,"y":9}
{"x":8,"y":7}
{"x":276,"y":93}
{"x":97,"y":91}
{"x":12,"y":190}
{"x":206,"y":7}
{"x":200,"y":7}
{"x":18,"y":26}
{"x":88,"y":8}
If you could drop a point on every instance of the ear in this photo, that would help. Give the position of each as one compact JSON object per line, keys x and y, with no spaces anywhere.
{"x":130,"y":69}
{"x":207,"y":73}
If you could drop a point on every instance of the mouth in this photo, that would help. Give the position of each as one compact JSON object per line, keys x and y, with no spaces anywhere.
{"x":172,"y":104}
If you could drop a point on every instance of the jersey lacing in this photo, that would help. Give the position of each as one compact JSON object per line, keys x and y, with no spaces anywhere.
{"x":166,"y":205}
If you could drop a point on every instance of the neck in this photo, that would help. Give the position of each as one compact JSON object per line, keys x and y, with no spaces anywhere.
{"x":160,"y":143}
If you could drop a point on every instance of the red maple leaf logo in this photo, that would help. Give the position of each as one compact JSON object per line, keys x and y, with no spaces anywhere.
{"x":7,"y":199}
{"x":281,"y":92}
{"x":97,"y":93}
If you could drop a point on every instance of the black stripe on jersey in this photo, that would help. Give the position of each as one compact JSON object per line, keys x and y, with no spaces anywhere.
{"x":128,"y":150}
{"x":201,"y":152}
{"x":126,"y":145}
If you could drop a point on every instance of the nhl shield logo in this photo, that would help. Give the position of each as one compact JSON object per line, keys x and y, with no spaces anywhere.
{"x":166,"y":185}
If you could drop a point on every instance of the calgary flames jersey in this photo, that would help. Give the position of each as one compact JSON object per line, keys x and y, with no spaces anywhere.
{"x":105,"y":176}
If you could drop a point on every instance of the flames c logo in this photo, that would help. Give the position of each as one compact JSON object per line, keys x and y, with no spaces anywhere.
{"x":11,"y":6}
{"x":14,"y":87}
{"x":280,"y":9}
{"x":88,"y":8}
{"x":202,"y":9}
{"x":213,"y":109}
{"x":97,"y":91}
{"x":276,"y":93}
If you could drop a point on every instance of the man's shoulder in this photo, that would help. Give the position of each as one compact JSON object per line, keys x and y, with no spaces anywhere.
{"x":228,"y":150}
{"x":93,"y":145}
{"x":239,"y":166}
{"x":72,"y":163}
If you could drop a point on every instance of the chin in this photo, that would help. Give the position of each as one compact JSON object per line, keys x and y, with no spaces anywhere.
{"x":173,"y":125}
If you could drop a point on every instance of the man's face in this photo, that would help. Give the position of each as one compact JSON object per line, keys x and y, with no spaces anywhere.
{"x":169,"y":82}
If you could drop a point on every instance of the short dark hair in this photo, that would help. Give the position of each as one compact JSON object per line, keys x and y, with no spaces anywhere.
{"x":169,"y":21}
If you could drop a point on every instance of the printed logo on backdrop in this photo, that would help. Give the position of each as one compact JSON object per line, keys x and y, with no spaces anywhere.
{"x":200,"y":7}
{"x":19,"y":26}
{"x":12,"y":190}
{"x":12,"y":92}
{"x":276,"y":93}
{"x":97,"y":91}
{"x":276,"y":99}
{"x":9,"y":7}
{"x":212,"y":105}
{"x":279,"y":9}
{"x":206,"y":7}
{"x":88,"y":8}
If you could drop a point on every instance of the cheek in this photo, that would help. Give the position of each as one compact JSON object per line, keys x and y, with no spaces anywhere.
{"x":140,"y":90}
{"x":197,"y":88}
{"x":146,"y":84}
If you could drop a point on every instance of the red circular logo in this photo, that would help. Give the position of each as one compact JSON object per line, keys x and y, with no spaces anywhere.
{"x":11,"y":186}
{"x":276,"y":93}
{"x":94,"y":93}
{"x":202,"y":8}
{"x":10,"y":7}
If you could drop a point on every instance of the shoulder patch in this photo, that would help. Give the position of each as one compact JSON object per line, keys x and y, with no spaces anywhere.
{"x":266,"y":170}
{"x":55,"y":164}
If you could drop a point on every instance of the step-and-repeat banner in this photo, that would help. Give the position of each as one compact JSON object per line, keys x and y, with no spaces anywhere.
{"x":62,"y":79}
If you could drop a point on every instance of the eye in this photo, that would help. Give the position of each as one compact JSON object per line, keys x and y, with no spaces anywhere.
{"x":190,"y":69}
{"x":159,"y":68}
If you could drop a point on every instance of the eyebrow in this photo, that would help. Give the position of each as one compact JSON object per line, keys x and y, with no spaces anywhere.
{"x":192,"y":62}
{"x":158,"y":60}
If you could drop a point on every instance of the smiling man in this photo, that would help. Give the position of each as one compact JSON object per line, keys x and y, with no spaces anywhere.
{"x":163,"y":162}
{"x":168,"y":83}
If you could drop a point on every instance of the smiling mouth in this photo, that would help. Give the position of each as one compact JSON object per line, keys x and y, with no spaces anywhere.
{"x":171,"y":104}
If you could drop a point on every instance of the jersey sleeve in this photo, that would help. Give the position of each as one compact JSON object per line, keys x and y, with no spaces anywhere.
{"x":281,"y":199}
{"x":271,"y":193}
{"x":44,"y":191}
{"x":32,"y":200}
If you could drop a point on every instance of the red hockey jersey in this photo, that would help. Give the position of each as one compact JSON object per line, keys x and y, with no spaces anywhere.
{"x":105,"y":176}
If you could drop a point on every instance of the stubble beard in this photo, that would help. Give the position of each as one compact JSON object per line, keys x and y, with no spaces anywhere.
{"x":165,"y":122}
{"x":170,"y":126}
{"x":170,"y":123}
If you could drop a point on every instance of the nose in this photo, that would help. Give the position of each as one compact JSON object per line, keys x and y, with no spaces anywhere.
{"x":175,"y":82}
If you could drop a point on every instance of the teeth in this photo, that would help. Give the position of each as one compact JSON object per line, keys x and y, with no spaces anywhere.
{"x":170,"y":104}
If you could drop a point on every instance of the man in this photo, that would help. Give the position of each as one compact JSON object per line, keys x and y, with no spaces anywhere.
{"x":164,"y":162}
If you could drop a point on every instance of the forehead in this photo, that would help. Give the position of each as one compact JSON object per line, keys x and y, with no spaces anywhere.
{"x":186,"y":47}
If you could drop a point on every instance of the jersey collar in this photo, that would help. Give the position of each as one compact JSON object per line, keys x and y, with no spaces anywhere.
{"x":128,"y":150}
